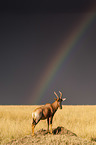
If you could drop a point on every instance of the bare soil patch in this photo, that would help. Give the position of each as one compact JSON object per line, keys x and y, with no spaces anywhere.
{"x":58,"y":130}
{"x":60,"y":136}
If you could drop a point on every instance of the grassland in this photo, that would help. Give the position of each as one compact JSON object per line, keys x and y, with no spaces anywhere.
{"x":15,"y":121}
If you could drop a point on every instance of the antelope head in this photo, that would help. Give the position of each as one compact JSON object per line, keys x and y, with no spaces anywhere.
{"x":59,"y":99}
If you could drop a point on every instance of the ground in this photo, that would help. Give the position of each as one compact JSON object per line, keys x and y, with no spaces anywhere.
{"x":60,"y":136}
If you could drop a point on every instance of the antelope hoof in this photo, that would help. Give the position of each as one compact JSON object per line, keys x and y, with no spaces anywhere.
{"x":48,"y":131}
{"x":51,"y":132}
{"x":32,"y":134}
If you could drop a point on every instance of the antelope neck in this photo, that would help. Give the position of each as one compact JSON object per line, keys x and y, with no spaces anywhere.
{"x":55,"y":106}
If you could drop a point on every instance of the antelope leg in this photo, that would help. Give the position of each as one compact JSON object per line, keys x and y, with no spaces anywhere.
{"x":51,"y":125}
{"x":48,"y":125}
{"x":51,"y":128}
{"x":32,"y":129}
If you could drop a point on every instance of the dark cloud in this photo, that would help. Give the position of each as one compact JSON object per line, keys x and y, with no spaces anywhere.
{"x":31,"y":34}
{"x":47,"y":6}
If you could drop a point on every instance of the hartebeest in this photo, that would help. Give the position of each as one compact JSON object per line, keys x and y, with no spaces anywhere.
{"x":47,"y":111}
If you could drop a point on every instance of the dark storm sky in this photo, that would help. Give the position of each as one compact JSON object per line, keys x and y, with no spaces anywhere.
{"x":30,"y":35}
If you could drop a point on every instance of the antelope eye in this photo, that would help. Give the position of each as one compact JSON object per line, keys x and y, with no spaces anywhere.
{"x":60,"y":100}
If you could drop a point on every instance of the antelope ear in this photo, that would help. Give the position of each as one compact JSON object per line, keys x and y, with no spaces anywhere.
{"x":55,"y":99}
{"x":63,"y":99}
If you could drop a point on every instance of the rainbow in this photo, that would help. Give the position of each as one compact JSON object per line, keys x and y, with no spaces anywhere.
{"x":61,"y":56}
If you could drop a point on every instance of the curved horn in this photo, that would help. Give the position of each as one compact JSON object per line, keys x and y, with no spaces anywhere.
{"x":56,"y":94}
{"x":60,"y":94}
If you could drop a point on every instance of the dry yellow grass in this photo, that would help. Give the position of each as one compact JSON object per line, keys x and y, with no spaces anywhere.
{"x":15,"y":121}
